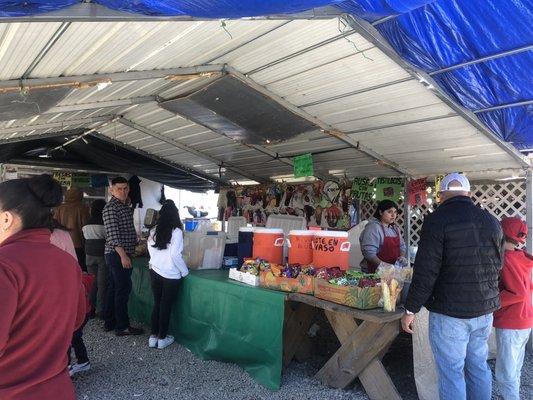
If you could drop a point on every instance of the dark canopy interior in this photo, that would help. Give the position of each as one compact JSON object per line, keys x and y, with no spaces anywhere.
{"x":95,"y":153}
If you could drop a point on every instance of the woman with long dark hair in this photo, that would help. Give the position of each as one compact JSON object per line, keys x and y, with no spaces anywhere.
{"x":167,"y":267}
{"x":381,"y":240}
{"x":41,"y":294}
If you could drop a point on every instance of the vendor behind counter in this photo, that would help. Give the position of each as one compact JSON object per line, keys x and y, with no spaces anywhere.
{"x":381,"y":240}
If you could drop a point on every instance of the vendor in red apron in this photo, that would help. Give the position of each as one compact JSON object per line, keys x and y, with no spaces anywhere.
{"x":381,"y":239}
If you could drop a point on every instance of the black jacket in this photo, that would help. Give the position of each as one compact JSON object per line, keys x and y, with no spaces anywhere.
{"x":457,"y":267}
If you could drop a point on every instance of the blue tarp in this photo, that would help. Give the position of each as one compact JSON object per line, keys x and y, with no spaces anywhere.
{"x":430,"y":35}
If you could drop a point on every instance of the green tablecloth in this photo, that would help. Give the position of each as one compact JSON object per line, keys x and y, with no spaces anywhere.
{"x":220,"y":319}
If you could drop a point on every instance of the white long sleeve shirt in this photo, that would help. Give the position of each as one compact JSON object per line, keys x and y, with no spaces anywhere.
{"x":168,"y":262}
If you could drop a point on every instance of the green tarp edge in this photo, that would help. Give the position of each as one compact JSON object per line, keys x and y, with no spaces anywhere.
{"x":220,"y":319}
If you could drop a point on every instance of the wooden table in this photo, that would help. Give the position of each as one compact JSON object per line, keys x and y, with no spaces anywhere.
{"x":365,"y":337}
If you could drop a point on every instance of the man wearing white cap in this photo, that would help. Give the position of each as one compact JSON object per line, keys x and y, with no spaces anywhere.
{"x":456,"y":277}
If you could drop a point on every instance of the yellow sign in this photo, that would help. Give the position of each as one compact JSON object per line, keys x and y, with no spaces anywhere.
{"x":438,"y":180}
{"x":64,"y":178}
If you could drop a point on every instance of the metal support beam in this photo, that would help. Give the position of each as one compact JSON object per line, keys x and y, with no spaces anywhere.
{"x":529,"y":220}
{"x":51,"y":135}
{"x":483,"y":59}
{"x":371,"y":34}
{"x":100,"y":104}
{"x":89,"y":12}
{"x":504,"y":106}
{"x":54,"y":125}
{"x":407,"y":221}
{"x":44,"y":51}
{"x":191,"y":150}
{"x":325,"y":127}
{"x":91,"y":80}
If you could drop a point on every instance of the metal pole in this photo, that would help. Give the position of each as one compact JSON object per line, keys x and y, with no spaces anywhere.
{"x":406,"y":221}
{"x":529,"y":220}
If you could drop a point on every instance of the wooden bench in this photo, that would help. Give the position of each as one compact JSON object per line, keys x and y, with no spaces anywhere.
{"x":365,"y":337}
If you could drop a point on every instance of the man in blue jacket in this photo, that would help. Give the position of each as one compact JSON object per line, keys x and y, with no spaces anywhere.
{"x":456,"y":276}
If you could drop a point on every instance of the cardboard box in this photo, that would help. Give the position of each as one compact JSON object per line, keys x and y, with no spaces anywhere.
{"x":302,"y":284}
{"x":243,"y":277}
{"x":352,"y":296}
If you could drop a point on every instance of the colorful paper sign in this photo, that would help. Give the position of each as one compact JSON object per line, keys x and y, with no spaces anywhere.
{"x":389,"y":189}
{"x":438,"y":180}
{"x":303,"y":165}
{"x":362,"y":189}
{"x":64,"y":178}
{"x":81,"y":180}
{"x":417,"y":192}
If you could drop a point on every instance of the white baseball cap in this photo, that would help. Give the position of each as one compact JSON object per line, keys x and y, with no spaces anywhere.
{"x":455,"y":177}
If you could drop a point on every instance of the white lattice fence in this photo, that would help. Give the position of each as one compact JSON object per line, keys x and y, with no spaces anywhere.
{"x":500,"y":199}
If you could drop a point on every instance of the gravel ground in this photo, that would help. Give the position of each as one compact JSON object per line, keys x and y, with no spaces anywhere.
{"x":125,"y":368}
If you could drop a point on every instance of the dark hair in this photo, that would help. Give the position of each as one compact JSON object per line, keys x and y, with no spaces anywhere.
{"x":118,"y":179}
{"x":97,"y":209}
{"x":169,"y":219}
{"x":384,"y":205}
{"x":32,"y":199}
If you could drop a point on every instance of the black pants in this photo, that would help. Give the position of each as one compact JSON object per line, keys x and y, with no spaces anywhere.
{"x":165,"y":292}
{"x":118,"y":293}
{"x":78,"y":345}
{"x":80,"y":253}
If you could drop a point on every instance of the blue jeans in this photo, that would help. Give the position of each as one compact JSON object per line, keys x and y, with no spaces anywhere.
{"x":460,"y":347}
{"x":118,"y":293}
{"x":509,"y":361}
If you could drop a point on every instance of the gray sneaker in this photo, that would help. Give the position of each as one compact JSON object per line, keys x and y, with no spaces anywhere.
{"x":167,"y":341}
{"x":75,"y":368}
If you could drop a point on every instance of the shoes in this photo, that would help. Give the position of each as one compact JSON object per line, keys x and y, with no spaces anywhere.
{"x":152,"y":341}
{"x":167,"y":341}
{"x":75,"y":368}
{"x":130,"y":331}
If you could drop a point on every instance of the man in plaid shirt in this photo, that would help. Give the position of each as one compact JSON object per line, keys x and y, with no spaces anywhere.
{"x":121,"y":239}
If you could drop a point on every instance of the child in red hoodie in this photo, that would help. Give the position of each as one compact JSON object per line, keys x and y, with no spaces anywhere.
{"x":514,"y":320}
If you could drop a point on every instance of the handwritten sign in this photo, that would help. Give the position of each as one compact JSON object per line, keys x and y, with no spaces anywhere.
{"x":417,"y":192}
{"x":389,"y":189}
{"x":64,"y":178}
{"x":438,"y":180}
{"x":303,"y":165}
{"x":362,"y":189}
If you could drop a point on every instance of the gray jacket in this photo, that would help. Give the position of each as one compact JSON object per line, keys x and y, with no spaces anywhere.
{"x":371,"y":239}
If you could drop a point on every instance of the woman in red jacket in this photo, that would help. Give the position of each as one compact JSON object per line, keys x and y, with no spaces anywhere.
{"x":514,"y":320}
{"x":41,"y":295}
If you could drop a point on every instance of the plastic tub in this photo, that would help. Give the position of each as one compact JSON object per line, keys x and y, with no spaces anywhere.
{"x":268,"y":244}
{"x":301,"y":247}
{"x":331,"y":249}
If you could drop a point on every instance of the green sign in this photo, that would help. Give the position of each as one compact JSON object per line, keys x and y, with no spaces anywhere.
{"x":303,"y":165}
{"x":389,"y":189}
{"x":81,"y":180}
{"x":362,"y":189}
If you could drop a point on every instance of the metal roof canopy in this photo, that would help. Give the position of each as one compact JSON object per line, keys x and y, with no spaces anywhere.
{"x":349,"y":82}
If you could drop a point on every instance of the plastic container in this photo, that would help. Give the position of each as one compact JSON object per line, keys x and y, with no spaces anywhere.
{"x":301,"y":247}
{"x":268,"y":244}
{"x":193,"y":254}
{"x":230,"y":262}
{"x":246,"y":244}
{"x":331,"y":249}
{"x":213,"y":248}
{"x":190,"y":224}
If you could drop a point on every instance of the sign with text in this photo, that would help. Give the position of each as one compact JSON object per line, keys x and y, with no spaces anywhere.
{"x":362,"y":189}
{"x":417,"y":192}
{"x":64,"y":178}
{"x":303,"y":165}
{"x":389,"y":189}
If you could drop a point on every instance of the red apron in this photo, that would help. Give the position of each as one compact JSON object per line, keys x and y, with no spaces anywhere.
{"x":389,"y":251}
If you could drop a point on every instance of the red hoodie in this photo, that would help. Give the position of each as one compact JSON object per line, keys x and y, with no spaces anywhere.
{"x":42,"y":302}
{"x":516,"y":288}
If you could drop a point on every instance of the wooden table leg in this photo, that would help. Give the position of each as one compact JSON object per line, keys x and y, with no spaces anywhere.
{"x":298,"y":317}
{"x":359,"y":356}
